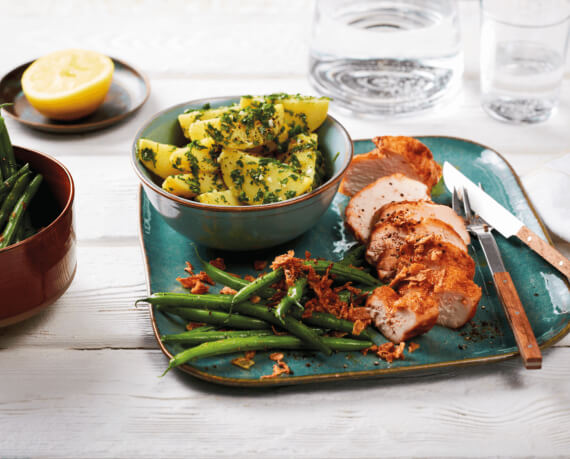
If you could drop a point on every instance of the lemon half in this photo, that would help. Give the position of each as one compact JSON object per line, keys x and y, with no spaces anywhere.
{"x":68,"y":84}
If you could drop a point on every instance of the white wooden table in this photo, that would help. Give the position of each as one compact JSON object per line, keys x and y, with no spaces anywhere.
{"x":81,"y":379}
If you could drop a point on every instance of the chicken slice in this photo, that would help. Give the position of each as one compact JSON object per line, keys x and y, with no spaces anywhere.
{"x":364,"y":204}
{"x":399,"y":154}
{"x":389,"y":236}
{"x":456,"y":295}
{"x":434,"y":253}
{"x":424,"y":209}
{"x":401,"y":317}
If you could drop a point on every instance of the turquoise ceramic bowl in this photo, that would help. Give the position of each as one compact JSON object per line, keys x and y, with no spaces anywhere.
{"x":244,"y":227}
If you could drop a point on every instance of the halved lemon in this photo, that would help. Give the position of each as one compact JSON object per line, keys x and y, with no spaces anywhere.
{"x":68,"y":84}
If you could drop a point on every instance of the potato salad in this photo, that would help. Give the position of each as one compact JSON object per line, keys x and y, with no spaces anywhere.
{"x":258,"y":151}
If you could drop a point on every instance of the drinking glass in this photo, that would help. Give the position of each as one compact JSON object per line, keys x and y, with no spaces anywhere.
{"x":386,"y":57}
{"x":523,"y":47}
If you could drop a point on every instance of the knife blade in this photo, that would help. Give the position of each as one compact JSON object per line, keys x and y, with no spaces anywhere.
{"x":502,"y":220}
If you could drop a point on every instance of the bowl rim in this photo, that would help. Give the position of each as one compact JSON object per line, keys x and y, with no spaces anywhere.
{"x":68,"y":204}
{"x":216,"y":208}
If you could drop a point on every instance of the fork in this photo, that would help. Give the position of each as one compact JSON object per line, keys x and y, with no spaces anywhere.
{"x":514,"y":310}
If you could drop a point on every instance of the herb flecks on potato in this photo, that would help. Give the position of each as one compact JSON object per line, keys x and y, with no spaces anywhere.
{"x":259,"y":151}
{"x":255,"y":180}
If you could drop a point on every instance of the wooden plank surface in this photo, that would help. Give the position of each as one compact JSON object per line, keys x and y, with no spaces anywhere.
{"x":81,"y":379}
{"x":111,"y":403}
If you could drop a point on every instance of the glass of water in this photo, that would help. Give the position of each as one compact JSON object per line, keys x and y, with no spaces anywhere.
{"x":386,"y":57}
{"x":523,"y":47}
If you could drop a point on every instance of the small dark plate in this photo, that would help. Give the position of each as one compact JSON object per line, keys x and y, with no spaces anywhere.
{"x":129,"y":90}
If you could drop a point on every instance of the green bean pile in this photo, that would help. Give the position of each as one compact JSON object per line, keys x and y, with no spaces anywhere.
{"x":253,"y":324}
{"x":17,"y":188}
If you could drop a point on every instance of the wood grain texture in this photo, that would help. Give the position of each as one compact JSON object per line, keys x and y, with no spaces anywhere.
{"x":97,"y":311}
{"x":111,"y":403}
{"x":516,"y":315}
{"x":81,"y":379}
{"x":545,"y":250}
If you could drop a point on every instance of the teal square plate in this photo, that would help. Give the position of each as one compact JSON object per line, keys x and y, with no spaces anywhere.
{"x":543,"y":291}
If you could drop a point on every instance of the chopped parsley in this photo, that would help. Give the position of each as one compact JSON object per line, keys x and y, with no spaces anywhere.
{"x":270,"y":197}
{"x":214,"y":133}
{"x":237,"y":177}
{"x":146,"y":154}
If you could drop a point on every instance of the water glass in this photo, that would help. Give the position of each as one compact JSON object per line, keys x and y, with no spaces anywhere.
{"x":523,"y":47}
{"x":386,"y":57}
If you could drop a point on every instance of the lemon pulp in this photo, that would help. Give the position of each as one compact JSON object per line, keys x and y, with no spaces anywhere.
{"x":68,"y":84}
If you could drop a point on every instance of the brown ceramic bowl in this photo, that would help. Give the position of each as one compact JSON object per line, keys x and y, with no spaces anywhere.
{"x":36,"y":271}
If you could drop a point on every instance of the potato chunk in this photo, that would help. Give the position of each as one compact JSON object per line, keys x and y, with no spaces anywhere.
{"x":303,"y":155}
{"x":191,"y":185}
{"x":255,"y":180}
{"x":241,"y":128}
{"x":197,"y":155}
{"x":191,"y":116}
{"x":220,"y":198}
{"x":156,"y":157}
{"x":302,"y":113}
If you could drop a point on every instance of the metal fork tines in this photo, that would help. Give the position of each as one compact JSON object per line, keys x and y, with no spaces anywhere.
{"x":478,"y":227}
{"x":524,"y":336}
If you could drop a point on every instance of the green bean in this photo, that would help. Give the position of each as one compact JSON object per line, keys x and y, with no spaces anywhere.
{"x":224,"y":278}
{"x":343,"y":272}
{"x":257,"y":285}
{"x":27,"y":227}
{"x":221,"y":319}
{"x":186,"y":299}
{"x":355,"y":256}
{"x":294,"y":295}
{"x":300,"y":330}
{"x":219,"y":275}
{"x":12,"y":199}
{"x":246,"y":308}
{"x":193,"y":338}
{"x":18,"y":211}
{"x":260,"y":311}
{"x":259,"y":343}
{"x":325,"y":320}
{"x":9,"y":165}
{"x":7,"y":184}
{"x":201,"y":329}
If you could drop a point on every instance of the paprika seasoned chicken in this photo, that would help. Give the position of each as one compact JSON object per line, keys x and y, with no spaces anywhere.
{"x":420,"y":247}
{"x":433,"y":252}
{"x":417,"y":210}
{"x":454,"y":292}
{"x":392,"y":155}
{"x":401,"y":317}
{"x":364,"y":204}
{"x":390,"y":235}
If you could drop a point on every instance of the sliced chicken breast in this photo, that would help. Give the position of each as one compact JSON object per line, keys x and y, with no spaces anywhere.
{"x":457,"y":296}
{"x":389,"y":236}
{"x":399,"y":154}
{"x":418,"y":210}
{"x":432,"y":252}
{"x":401,"y":317}
{"x":364,"y":204}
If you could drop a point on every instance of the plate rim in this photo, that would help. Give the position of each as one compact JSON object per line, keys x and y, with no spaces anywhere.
{"x":350,"y":375}
{"x":82,"y":127}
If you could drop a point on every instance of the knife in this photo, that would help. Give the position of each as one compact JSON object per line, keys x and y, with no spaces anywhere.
{"x":506,"y":290}
{"x":502,"y":220}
